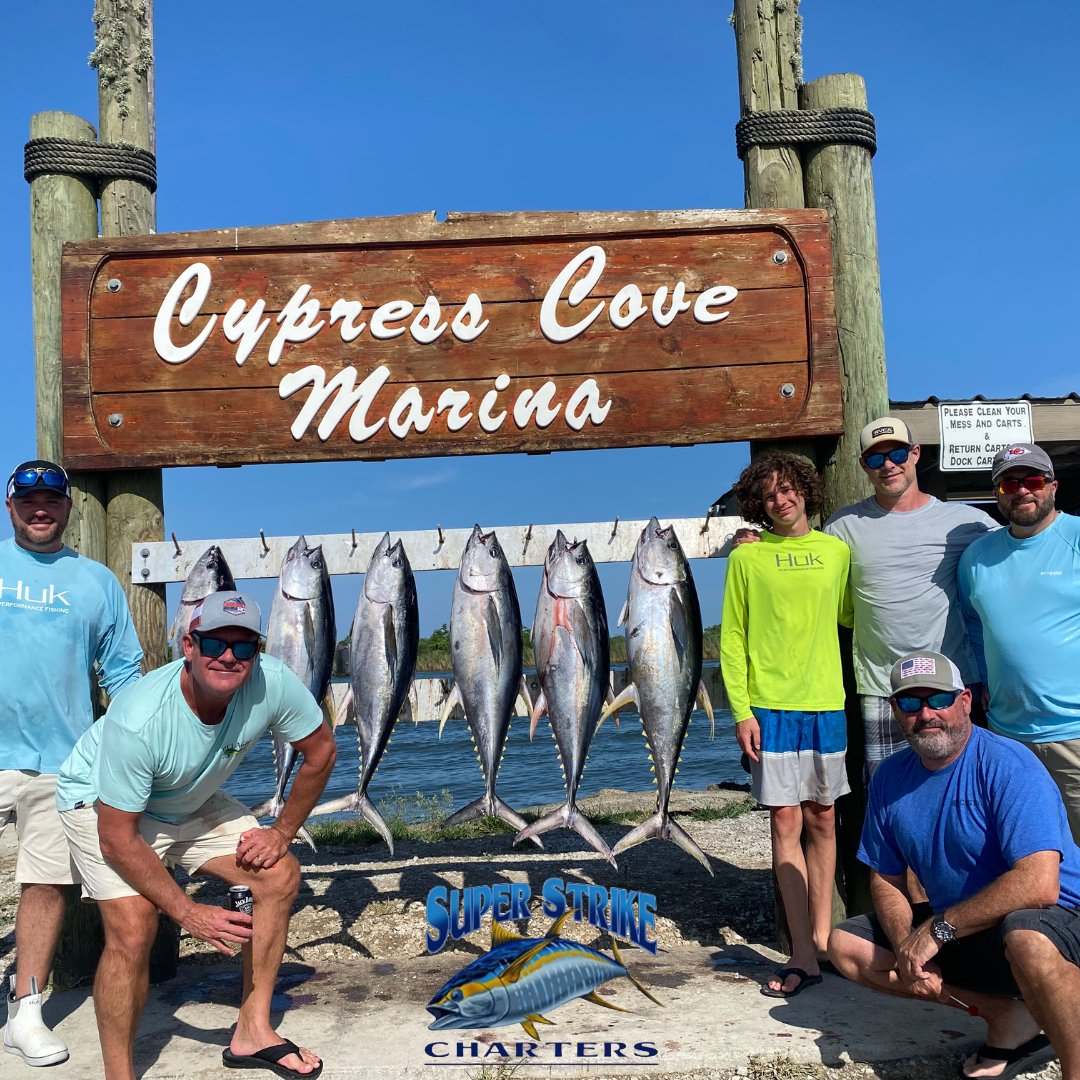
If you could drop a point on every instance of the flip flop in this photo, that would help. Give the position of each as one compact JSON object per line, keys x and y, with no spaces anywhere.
{"x":804,"y":981}
{"x":268,"y":1058}
{"x":1036,"y":1051}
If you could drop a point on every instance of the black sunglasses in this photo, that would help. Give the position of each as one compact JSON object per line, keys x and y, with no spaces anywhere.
{"x":897,"y":457}
{"x":912,"y":703}
{"x":214,"y":647}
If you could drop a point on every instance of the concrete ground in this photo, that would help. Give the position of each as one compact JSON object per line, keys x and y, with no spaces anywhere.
{"x":367,"y":1019}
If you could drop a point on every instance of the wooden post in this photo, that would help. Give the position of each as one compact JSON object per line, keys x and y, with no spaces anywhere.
{"x":838,"y":179}
{"x":769,"y":51}
{"x":62,"y":208}
{"x":124,"y":58}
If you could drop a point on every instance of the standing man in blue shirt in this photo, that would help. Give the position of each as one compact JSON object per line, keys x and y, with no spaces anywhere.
{"x":60,"y":614}
{"x":984,"y":829}
{"x":1020,"y":593}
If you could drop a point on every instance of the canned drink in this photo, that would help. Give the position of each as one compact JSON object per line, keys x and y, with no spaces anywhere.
{"x":240,"y":899}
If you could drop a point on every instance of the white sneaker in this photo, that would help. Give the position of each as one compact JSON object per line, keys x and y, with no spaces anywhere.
{"x":26,"y":1034}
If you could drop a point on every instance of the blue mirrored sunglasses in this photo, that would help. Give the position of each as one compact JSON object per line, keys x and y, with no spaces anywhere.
{"x":28,"y":478}
{"x":912,"y":703}
{"x":213,"y":647}
{"x":897,"y":457}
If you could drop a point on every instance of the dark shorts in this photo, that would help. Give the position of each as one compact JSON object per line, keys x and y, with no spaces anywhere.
{"x":978,"y":962}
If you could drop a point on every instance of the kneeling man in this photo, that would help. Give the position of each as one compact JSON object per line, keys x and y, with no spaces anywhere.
{"x":986,"y":834}
{"x":141,"y":787}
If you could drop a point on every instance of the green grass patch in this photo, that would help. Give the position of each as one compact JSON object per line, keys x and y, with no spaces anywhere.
{"x":722,"y":813}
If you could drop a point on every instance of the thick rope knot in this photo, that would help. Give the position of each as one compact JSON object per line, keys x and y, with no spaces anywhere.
{"x":102,"y":161}
{"x":806,"y":127}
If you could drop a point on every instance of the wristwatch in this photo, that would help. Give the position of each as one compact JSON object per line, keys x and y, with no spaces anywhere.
{"x":943,"y":932}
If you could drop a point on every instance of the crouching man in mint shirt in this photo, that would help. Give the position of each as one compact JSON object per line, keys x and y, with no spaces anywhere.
{"x":142,"y":788}
{"x":983,"y":827}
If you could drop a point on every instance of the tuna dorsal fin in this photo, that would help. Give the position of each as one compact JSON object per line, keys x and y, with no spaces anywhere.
{"x":679,"y":624}
{"x":556,"y":927}
{"x":309,"y":644}
{"x":517,"y":968}
{"x":389,"y":641}
{"x":491,"y":622}
{"x":624,"y":614}
{"x":500,"y":935}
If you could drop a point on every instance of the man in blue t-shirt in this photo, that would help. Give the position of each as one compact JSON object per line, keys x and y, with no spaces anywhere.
{"x":983,"y":827}
{"x":1020,"y":595}
{"x":60,"y":615}
{"x":142,"y":788}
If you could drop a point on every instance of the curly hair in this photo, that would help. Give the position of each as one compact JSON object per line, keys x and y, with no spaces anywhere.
{"x":793,"y":468}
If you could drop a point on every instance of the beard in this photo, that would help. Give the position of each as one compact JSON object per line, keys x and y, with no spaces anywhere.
{"x":936,"y":743}
{"x":38,"y":539}
{"x":1028,"y":514}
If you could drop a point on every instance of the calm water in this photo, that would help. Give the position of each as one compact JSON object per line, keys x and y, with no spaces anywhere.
{"x":418,"y":761}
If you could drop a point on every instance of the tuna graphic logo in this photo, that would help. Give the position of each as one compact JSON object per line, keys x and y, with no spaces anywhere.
{"x":522,"y":978}
{"x":234,"y":606}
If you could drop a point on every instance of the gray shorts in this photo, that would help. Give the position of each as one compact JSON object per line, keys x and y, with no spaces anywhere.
{"x":29,"y":800}
{"x":212,"y":832}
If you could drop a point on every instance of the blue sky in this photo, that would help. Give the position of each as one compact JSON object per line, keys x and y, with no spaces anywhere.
{"x":271,"y":113}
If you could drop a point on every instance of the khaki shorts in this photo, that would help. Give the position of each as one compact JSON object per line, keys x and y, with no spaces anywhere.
{"x":29,"y":799}
{"x":1062,"y":761}
{"x":212,"y":832}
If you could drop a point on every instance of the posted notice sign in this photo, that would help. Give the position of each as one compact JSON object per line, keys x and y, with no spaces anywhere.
{"x":972,"y":432}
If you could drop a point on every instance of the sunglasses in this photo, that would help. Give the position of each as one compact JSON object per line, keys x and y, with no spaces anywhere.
{"x":213,"y":647}
{"x":912,"y":703}
{"x":897,"y":457}
{"x":1011,"y":485}
{"x":50,"y":478}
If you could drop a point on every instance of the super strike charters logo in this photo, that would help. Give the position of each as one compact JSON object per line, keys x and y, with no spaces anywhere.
{"x":522,"y":979}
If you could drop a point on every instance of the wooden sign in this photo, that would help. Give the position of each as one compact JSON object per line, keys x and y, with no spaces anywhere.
{"x":410,"y":337}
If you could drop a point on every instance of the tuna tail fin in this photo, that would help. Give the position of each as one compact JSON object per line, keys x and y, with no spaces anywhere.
{"x":568,"y":817}
{"x":452,"y":700}
{"x":662,"y":827}
{"x":706,"y":704}
{"x":360,"y":804}
{"x":618,"y":957}
{"x":490,"y":807}
{"x":626,"y":695}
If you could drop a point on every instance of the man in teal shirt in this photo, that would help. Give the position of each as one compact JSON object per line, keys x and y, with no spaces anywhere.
{"x":1020,"y":593}
{"x":142,"y":788}
{"x":60,"y":615}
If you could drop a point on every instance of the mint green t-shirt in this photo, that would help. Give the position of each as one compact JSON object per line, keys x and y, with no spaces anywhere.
{"x":151,"y":754}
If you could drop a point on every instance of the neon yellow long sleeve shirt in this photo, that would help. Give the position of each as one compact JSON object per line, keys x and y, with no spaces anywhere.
{"x":783,"y":598}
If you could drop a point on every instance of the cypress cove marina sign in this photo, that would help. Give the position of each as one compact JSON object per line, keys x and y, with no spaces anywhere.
{"x":411,"y":337}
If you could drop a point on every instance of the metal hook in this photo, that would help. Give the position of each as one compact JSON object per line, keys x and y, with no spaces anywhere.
{"x":442,"y":539}
{"x":528,"y":537}
{"x":176,"y":545}
{"x":354,"y":539}
{"x":705,"y":526}
{"x":614,"y":529}
{"x":266,"y":546}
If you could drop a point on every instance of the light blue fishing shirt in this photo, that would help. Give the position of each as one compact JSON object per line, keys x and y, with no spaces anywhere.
{"x":59,"y":614}
{"x":1021,"y":601}
{"x":151,"y":754}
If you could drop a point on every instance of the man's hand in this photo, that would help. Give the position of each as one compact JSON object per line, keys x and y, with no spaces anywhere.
{"x":218,"y":926}
{"x":748,"y":734}
{"x":914,"y":965}
{"x":259,"y":849}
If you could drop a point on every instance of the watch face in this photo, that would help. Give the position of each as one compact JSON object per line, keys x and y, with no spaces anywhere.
{"x":942,"y":931}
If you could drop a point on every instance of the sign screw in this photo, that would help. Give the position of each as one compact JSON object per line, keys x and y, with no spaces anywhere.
{"x":146,"y":571}
{"x":787,"y":390}
{"x":145,"y":553}
{"x":779,"y":257}
{"x":114,"y":285}
{"x":116,"y":419}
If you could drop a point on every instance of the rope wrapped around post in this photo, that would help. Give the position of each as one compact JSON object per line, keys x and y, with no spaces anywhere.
{"x":806,"y":127}
{"x":102,"y":161}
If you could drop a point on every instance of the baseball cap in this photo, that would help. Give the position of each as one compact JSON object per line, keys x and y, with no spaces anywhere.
{"x":926,"y":670}
{"x":31,"y":474}
{"x":229,"y":608}
{"x":1023,"y":454}
{"x":884,"y":429}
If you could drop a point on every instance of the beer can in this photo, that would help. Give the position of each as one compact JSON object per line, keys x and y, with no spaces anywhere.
{"x":240,"y":899}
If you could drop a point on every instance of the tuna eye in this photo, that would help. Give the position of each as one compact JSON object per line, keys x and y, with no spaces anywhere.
{"x":581,"y":560}
{"x":457,"y":995}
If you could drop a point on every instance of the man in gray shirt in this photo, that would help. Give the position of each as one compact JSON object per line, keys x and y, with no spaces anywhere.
{"x":905,"y":547}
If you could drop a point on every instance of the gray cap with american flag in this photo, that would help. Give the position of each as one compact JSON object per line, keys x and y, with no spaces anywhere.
{"x":926,"y":670}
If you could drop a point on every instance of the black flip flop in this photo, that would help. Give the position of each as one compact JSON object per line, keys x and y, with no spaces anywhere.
{"x":805,"y":980}
{"x":1036,"y":1051}
{"x":268,"y":1058}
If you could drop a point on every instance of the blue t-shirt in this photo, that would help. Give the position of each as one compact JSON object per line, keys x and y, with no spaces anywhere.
{"x":59,"y":614}
{"x":151,"y":754}
{"x":963,"y":826}
{"x":1021,"y":602}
